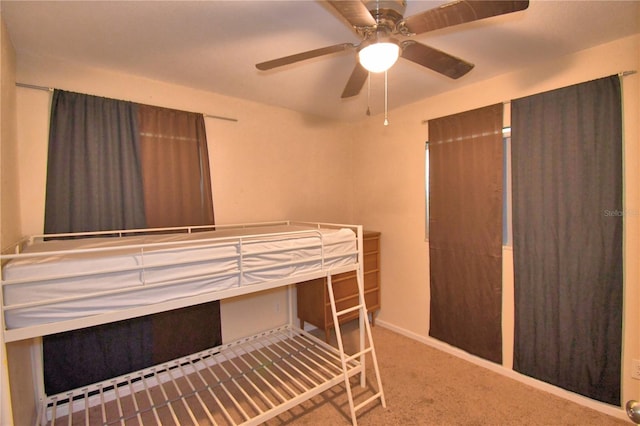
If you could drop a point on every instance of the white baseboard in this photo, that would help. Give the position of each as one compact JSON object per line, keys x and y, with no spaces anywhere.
{"x":610,"y":410}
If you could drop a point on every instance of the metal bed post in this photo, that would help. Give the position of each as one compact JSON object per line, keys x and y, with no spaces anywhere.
{"x":363,"y":319}
{"x":37,"y":368}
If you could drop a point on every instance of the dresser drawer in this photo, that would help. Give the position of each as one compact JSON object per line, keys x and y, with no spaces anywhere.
{"x":313,"y":297}
{"x":370,"y":298}
{"x":346,"y":284}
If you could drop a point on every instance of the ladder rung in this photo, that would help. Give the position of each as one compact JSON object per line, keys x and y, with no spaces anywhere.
{"x":358,"y":355}
{"x":368,"y":401}
{"x":349,"y":310}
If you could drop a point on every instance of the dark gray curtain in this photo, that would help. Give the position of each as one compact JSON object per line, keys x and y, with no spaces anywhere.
{"x":94,"y":183}
{"x":80,"y":357}
{"x":94,"y":179}
{"x":465,"y":230}
{"x":567,"y":237}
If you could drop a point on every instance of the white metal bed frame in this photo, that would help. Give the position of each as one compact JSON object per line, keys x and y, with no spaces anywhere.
{"x":245,"y":382}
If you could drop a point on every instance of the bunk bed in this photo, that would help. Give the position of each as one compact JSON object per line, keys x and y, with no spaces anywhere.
{"x":63,"y":282}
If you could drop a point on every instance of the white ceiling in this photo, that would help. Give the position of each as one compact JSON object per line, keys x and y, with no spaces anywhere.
{"x":214,"y":45}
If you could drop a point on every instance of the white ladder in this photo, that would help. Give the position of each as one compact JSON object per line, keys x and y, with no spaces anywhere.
{"x":366,"y":347}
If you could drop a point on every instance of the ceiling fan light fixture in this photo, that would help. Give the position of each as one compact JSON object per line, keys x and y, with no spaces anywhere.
{"x":380,"y":56}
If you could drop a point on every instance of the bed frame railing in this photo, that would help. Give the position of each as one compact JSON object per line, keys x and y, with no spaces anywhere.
{"x":325,"y":366}
{"x":239,"y":273}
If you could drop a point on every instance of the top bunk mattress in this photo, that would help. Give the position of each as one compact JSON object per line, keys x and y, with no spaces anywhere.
{"x":60,"y":280}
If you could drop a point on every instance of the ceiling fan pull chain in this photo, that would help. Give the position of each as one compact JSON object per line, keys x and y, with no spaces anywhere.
{"x":386,"y":116}
{"x":369,"y":94}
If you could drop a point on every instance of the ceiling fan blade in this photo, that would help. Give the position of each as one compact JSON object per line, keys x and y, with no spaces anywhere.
{"x":356,"y":81}
{"x":460,"y":12}
{"x":264,"y":66}
{"x":435,"y":59}
{"x":355,"y":12}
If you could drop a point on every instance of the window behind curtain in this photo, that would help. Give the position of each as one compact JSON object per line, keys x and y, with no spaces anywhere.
{"x":465,"y":230}
{"x":175,"y":164}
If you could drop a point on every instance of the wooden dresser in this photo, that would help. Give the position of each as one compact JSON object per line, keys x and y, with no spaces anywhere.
{"x":313,"y":298}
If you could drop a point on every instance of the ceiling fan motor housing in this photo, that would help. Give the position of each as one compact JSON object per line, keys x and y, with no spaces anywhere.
{"x":387,"y":14}
{"x":398,"y":6}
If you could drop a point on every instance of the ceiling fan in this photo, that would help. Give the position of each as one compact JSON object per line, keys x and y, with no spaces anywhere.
{"x":383,"y":28}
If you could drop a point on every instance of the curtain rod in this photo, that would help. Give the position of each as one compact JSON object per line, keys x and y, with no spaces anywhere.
{"x":219,"y":117}
{"x":50,"y":89}
{"x":620,"y":74}
{"x":33,"y":86}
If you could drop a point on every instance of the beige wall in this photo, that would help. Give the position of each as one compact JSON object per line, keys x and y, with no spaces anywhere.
{"x":16,"y":379}
{"x":9,"y":219}
{"x":392,"y":200}
{"x":9,"y":197}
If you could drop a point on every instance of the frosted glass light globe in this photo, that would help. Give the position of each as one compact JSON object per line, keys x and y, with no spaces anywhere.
{"x":379,"y":57}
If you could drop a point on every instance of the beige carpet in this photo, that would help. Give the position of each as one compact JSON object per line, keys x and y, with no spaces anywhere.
{"x":424,"y":386}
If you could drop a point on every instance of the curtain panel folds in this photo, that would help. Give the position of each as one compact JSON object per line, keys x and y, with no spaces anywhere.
{"x":175,"y":158}
{"x":94,"y":175}
{"x":567,"y":237}
{"x":465,"y":230}
{"x":94,"y":183}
